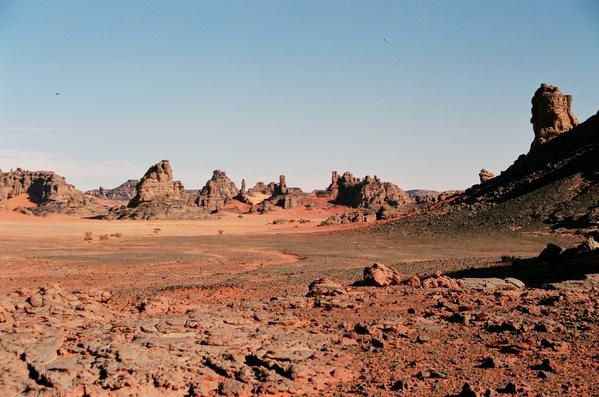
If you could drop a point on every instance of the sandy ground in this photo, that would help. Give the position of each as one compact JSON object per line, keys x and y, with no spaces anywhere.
{"x":188,"y":310}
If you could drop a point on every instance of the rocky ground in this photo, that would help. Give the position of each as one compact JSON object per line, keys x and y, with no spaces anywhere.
{"x":236,"y":314}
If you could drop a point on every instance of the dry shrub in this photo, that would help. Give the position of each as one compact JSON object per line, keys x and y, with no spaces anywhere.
{"x":157,"y":230}
{"x":221,"y":232}
{"x":103,"y":237}
{"x":116,"y":235}
{"x":88,"y":236}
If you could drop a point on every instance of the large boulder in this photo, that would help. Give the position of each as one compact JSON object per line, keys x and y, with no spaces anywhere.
{"x":325,"y":287}
{"x":551,"y":114}
{"x":380,"y":275}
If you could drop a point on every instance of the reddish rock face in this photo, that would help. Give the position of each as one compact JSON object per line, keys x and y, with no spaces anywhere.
{"x":157,"y":185}
{"x":217,"y":192}
{"x":551,"y":114}
{"x":48,"y":190}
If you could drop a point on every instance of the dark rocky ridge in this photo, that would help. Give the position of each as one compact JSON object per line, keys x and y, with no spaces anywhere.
{"x":554,"y":184}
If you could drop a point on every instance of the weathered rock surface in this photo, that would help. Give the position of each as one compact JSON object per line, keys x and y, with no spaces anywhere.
{"x":282,"y":196}
{"x":124,"y":192}
{"x":424,"y":197}
{"x":262,"y":188}
{"x":49,"y":191}
{"x":380,"y":275}
{"x":325,"y":287}
{"x":346,"y":218}
{"x":159,"y":197}
{"x":369,"y":193}
{"x":485,"y":175}
{"x":157,"y":185}
{"x":554,"y":184}
{"x":551,"y":114}
{"x":217,"y":192}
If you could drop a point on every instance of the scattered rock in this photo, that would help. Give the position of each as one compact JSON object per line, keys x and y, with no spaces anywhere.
{"x":380,"y":275}
{"x":325,"y":287}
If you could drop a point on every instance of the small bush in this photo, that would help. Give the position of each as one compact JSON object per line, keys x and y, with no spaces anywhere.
{"x":221,"y":232}
{"x":116,"y":235}
{"x":88,"y":236}
{"x":157,"y":230}
{"x":240,"y":216}
{"x":103,"y":237}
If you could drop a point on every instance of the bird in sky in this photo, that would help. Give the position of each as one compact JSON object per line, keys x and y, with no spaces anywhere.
{"x":58,"y":93}
{"x":386,"y":41}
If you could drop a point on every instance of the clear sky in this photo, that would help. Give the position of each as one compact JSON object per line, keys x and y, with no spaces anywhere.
{"x":421,"y":93}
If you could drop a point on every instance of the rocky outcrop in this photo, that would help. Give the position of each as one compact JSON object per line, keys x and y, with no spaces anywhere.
{"x":123,"y":192}
{"x":159,"y":197}
{"x":551,"y":114}
{"x":262,"y":188}
{"x":243,"y":195}
{"x":217,"y":192}
{"x":485,"y":175}
{"x":553,"y":185}
{"x":157,"y":185}
{"x":424,"y":198}
{"x":49,"y":191}
{"x":380,"y":275}
{"x":282,"y":196}
{"x":346,"y":218}
{"x":369,"y":193}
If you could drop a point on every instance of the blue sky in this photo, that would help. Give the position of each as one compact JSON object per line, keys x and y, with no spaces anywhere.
{"x":421,"y":93}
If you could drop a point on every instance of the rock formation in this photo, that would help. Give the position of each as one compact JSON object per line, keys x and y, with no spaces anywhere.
{"x":262,"y":188}
{"x":554,"y":184}
{"x":243,"y":195}
{"x":157,"y":185}
{"x":282,"y":196}
{"x":217,"y":192}
{"x":551,"y":114}
{"x":424,"y":198}
{"x":159,"y":197}
{"x":49,"y":191}
{"x":346,"y":218}
{"x":125,"y":192}
{"x":370,"y":193}
{"x":485,"y":175}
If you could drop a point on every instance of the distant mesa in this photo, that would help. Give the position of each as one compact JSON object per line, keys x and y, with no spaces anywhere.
{"x":551,"y":114}
{"x":123,"y":192}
